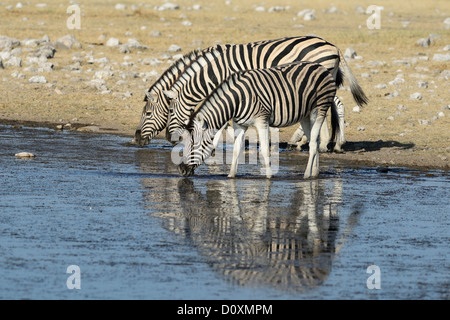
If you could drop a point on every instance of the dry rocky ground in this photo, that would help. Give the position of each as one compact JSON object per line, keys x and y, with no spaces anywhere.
{"x":95,"y":76}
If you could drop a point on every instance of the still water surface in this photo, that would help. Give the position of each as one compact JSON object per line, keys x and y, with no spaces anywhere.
{"x":137,"y":230}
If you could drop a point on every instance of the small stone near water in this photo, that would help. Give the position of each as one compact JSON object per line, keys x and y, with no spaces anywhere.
{"x":89,"y":129}
{"x":24,"y":155}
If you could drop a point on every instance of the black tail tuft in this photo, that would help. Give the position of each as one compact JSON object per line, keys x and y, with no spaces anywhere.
{"x":339,"y":78}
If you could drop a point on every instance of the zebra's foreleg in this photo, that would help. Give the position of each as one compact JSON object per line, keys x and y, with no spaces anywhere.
{"x":239,"y":135}
{"x":263,"y":133}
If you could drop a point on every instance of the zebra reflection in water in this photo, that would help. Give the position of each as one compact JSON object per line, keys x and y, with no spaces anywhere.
{"x":280,"y":234}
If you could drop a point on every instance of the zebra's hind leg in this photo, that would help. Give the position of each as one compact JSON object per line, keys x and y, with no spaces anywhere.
{"x":239,"y":135}
{"x":324,"y":137}
{"x":340,"y":139}
{"x":312,"y":169}
{"x":263,"y":133}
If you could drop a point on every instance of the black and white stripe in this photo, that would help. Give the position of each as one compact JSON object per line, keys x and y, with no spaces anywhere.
{"x":277,"y":97}
{"x":156,"y":110}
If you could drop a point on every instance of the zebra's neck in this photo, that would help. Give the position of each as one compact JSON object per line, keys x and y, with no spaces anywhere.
{"x":170,"y":76}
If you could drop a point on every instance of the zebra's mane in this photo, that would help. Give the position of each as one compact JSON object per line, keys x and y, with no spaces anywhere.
{"x":205,"y":56}
{"x":179,"y":65}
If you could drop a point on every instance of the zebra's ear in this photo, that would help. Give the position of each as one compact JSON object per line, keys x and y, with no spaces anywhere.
{"x":150,"y":96}
{"x":170,"y":94}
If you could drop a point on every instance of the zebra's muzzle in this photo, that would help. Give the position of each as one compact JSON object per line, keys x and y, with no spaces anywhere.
{"x":185,"y":170}
{"x":139,"y":140}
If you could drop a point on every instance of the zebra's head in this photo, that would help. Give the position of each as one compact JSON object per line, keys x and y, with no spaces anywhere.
{"x":177,"y":121}
{"x":198,"y":145}
{"x":153,"y":119}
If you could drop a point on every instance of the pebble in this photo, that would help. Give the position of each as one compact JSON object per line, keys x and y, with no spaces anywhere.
{"x":67,"y":42}
{"x":424,"y":122}
{"x":24,"y":155}
{"x":174,"y":48}
{"x":416,"y":96}
{"x":356,"y":109}
{"x":112,"y":42}
{"x":441,"y":57}
{"x":37,"y":79}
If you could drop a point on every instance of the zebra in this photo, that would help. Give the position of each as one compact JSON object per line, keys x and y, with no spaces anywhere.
{"x":236,"y":58}
{"x":277,"y":97}
{"x":156,"y":110}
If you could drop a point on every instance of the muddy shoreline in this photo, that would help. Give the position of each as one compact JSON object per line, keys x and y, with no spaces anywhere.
{"x":384,"y":154}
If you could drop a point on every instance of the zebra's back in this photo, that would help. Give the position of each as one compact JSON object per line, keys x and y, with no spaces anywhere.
{"x":287,"y":93}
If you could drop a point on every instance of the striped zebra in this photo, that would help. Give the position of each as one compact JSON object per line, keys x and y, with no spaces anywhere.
{"x":277,"y":97}
{"x":299,"y":134}
{"x":221,"y":61}
{"x":156,"y":110}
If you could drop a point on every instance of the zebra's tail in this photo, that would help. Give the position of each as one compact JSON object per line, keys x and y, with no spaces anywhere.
{"x":335,"y":125}
{"x":357,"y":92}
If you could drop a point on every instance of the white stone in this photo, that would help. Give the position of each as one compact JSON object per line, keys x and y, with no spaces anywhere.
{"x":416,"y":96}
{"x":441,"y":57}
{"x":24,"y":155}
{"x":120,"y":6}
{"x":174,"y":48}
{"x":356,"y":109}
{"x":37,"y":79}
{"x":112,"y":42}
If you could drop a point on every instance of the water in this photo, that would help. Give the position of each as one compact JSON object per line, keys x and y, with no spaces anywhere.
{"x":137,"y":230}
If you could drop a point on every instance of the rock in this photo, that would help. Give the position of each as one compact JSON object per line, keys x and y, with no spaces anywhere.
{"x":24,"y":155}
{"x":361,"y":128}
{"x":133,"y":43}
{"x":424,"y":42}
{"x":380,"y":86}
{"x":260,"y":9}
{"x":186,"y":23}
{"x":123,"y":48}
{"x":8,"y":43}
{"x":422,"y":84}
{"x":390,"y":118}
{"x":89,"y":129}
{"x":356,"y":109}
{"x":174,"y":48}
{"x":103,"y":74}
{"x":155,"y":33}
{"x":37,"y":79}
{"x":277,"y":9}
{"x":120,"y":6}
{"x":67,"y":42}
{"x":447,"y":23}
{"x":360,"y":10}
{"x":13,"y":62}
{"x":350,"y":53}
{"x":424,"y":122}
{"x":333,"y":9}
{"x":168,"y":6}
{"x":441,"y":57}
{"x":46,"y":51}
{"x":112,"y":42}
{"x":307,"y":14}
{"x":99,"y":84}
{"x":415,"y":96}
